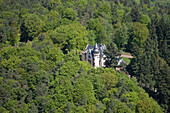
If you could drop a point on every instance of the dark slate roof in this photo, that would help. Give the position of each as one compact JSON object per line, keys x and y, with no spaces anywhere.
{"x":96,"y":48}
{"x":89,"y":47}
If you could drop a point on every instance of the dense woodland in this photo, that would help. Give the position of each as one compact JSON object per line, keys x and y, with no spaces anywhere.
{"x":40,"y":56}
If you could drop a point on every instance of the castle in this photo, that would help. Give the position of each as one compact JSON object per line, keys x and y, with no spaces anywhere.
{"x":94,"y":55}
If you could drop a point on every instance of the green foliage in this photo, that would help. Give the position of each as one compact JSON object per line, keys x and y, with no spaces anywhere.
{"x":68,"y":37}
{"x":69,"y":85}
{"x":132,"y":98}
{"x":69,"y":13}
{"x":51,"y":21}
{"x":139,"y":33}
{"x":40,"y":46}
{"x":91,"y":37}
{"x":111,"y":52}
{"x":121,"y":108}
{"x":145,"y":19}
{"x":31,"y":27}
{"x":109,"y":80}
{"x":104,"y":7}
{"x":98,"y":29}
{"x":144,"y":106}
{"x":83,"y":92}
{"x":9,"y":29}
{"x":121,"y":37}
{"x":121,"y":14}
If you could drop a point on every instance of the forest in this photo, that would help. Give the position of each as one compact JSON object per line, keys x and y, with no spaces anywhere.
{"x":41,"y":70}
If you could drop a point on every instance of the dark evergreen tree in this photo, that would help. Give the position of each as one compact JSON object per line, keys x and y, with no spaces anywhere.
{"x":111,"y":55}
{"x":163,"y":33}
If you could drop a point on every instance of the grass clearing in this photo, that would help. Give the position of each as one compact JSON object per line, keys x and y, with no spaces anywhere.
{"x":127,"y":60}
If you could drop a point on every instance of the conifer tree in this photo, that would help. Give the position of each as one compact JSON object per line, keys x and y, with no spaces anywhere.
{"x":111,"y":55}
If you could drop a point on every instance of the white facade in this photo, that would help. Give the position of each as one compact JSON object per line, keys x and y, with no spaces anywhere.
{"x":96,"y":60}
{"x":94,"y":55}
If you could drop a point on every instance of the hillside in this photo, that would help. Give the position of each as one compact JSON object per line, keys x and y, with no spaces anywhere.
{"x":40,"y":46}
{"x":38,"y":77}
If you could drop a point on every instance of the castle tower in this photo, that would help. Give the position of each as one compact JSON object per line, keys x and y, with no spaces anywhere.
{"x":96,"y":56}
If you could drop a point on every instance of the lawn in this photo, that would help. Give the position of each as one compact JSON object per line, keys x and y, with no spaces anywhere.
{"x":127,"y":60}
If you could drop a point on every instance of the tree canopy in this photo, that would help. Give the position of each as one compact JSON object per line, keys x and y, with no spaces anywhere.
{"x":40,"y":50}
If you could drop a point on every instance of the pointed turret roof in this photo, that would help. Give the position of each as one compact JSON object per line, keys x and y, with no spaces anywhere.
{"x":88,"y":47}
{"x":96,"y":48}
{"x":104,"y":47}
